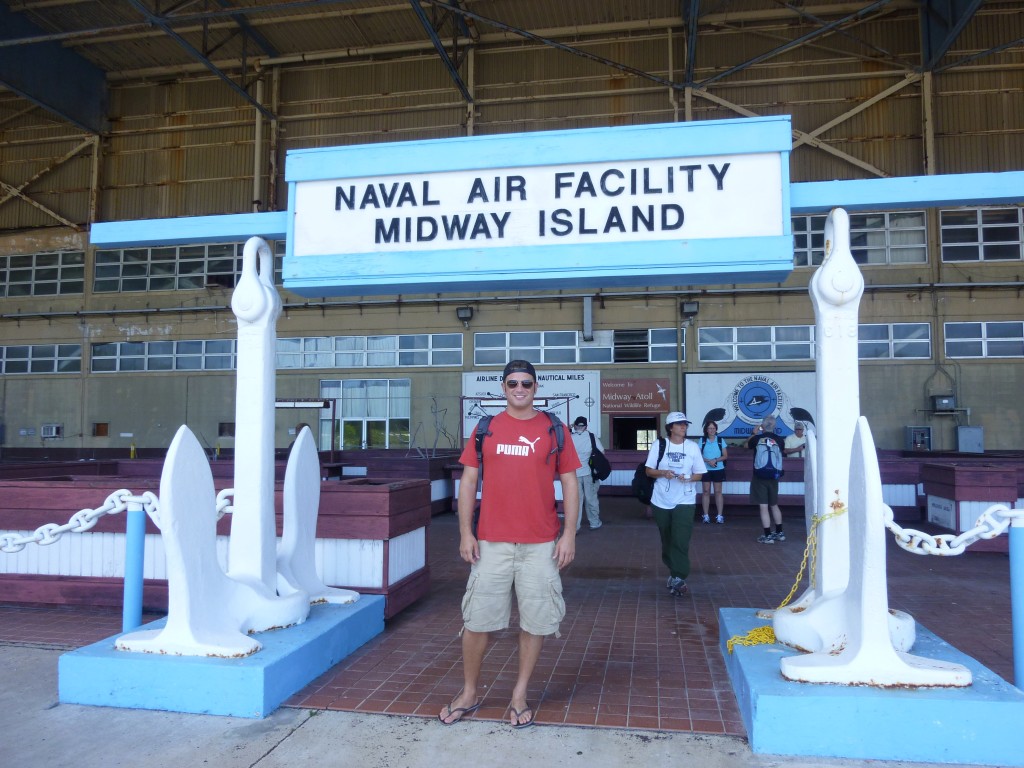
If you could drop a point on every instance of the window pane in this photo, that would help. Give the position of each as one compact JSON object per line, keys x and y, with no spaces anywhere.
{"x":419,"y":341}
{"x":918,"y":349}
{"x":792,"y":351}
{"x":663,"y":336}
{"x":960,"y":253}
{"x":533,"y":355}
{"x":1004,"y":330}
{"x":911,"y":331}
{"x":446,"y":340}
{"x":1002,"y":252}
{"x":753,"y":333}
{"x":963,"y":349}
{"x":713,"y":354}
{"x":663,"y":354}
{"x":873,"y":332}
{"x":963,"y":330}
{"x":998,"y":216}
{"x":560,"y":339}
{"x":595,"y":354}
{"x":524,"y":339}
{"x":490,"y":357}
{"x":217,"y":363}
{"x":754,"y":352}
{"x":1008,"y":348}
{"x":867,"y":350}
{"x":959,"y":218}
{"x":413,"y":358}
{"x":711,"y":335}
{"x":447,"y":357}
{"x":793,"y":333}
{"x":489,"y":340}
{"x":560,"y":355}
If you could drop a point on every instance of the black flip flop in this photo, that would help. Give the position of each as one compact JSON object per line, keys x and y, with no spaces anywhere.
{"x":460,"y":711}
{"x":519,"y":713}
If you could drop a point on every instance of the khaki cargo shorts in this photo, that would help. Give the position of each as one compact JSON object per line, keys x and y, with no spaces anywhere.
{"x":487,"y":604}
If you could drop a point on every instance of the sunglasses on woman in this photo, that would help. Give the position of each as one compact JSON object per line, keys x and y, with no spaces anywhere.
{"x":513,"y":383}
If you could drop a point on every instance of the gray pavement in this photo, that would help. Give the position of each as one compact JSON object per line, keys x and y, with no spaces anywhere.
{"x":38,"y":731}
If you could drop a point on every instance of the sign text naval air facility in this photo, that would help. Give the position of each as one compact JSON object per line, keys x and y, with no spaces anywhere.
{"x":643,"y":205}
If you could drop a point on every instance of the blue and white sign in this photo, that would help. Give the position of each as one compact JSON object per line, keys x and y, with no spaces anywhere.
{"x":659,"y":204}
{"x":744,"y":399}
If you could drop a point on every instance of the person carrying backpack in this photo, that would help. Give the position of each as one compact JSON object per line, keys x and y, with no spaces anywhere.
{"x":586,"y":442}
{"x":715,"y":453}
{"x":674,"y":500}
{"x":517,"y":546}
{"x":764,"y":485}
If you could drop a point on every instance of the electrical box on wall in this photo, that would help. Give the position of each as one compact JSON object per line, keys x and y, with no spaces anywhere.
{"x":943,"y":402}
{"x":917,"y":438}
{"x":51,"y":431}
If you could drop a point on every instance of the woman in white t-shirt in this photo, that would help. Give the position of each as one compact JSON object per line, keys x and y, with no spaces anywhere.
{"x":674,"y":500}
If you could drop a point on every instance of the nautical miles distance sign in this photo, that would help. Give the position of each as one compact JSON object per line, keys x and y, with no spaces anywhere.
{"x":663,"y":204}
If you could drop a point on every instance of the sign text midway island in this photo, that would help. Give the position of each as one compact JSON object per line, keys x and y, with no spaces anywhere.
{"x":649,"y":200}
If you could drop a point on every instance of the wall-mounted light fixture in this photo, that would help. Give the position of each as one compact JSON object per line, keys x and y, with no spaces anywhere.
{"x":689,"y":309}
{"x":465,"y":314}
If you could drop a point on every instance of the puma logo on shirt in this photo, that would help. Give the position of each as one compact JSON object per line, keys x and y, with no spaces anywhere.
{"x":518,"y":450}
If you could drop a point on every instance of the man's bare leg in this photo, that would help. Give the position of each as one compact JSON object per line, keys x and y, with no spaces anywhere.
{"x":474,"y":645}
{"x":766,"y":521}
{"x":777,"y":514}
{"x":529,"y":652}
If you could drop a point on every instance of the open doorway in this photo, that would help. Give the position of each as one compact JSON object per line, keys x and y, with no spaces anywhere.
{"x":633,"y":433}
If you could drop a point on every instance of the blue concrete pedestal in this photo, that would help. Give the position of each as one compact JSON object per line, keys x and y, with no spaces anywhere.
{"x":981,"y":724}
{"x":251,"y":687}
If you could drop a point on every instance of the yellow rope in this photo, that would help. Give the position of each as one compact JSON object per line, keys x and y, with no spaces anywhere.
{"x":765,"y":635}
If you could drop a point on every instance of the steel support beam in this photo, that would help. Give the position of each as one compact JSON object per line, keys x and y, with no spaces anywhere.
{"x":58,"y":80}
{"x":162,"y":24}
{"x":824,"y":30}
{"x":942,"y":21}
{"x":453,"y":71}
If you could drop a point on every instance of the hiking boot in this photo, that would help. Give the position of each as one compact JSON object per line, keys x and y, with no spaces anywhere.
{"x":766,"y":539}
{"x":705,"y":519}
{"x":720,"y":519}
{"x":675,"y":584}
{"x":779,"y":536}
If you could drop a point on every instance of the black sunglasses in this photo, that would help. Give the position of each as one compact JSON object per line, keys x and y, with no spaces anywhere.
{"x":513,"y":383}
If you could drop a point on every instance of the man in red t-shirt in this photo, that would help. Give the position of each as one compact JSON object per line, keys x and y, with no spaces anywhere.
{"x":517,"y":542}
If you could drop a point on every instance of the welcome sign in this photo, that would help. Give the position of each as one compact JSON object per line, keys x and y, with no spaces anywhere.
{"x":662,"y":204}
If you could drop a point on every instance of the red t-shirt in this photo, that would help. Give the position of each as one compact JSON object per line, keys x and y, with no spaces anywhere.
{"x":521,"y":463}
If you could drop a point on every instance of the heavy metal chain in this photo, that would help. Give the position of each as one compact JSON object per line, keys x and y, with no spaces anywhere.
{"x":225,"y":502}
{"x":81,"y":521}
{"x":991,"y":523}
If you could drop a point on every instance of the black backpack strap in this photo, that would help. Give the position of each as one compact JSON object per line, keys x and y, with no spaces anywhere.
{"x":558,"y":428}
{"x":661,"y":451}
{"x":593,"y":443}
{"x":483,"y":429}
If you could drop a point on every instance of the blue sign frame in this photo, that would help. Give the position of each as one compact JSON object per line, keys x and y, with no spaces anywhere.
{"x":595,"y":263}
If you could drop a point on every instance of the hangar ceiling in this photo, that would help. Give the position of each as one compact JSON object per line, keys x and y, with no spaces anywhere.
{"x":60,"y":55}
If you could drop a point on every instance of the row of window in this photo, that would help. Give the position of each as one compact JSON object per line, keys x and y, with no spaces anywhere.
{"x":784,"y":343}
{"x":967,"y":234}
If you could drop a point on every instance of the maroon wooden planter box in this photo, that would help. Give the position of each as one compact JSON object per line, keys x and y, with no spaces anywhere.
{"x":358,"y":508}
{"x":958,"y":491}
